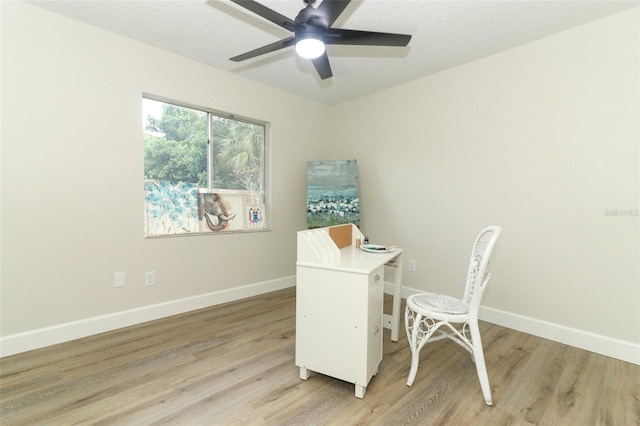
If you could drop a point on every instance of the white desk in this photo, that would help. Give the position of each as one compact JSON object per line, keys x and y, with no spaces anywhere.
{"x":339,"y":310}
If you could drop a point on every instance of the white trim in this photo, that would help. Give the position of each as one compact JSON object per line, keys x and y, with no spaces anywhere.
{"x":603,"y":345}
{"x":34,"y":339}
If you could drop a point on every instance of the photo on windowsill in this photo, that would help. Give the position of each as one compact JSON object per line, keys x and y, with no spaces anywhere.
{"x":255,"y":216}
{"x":171,"y":208}
{"x":220,"y":212}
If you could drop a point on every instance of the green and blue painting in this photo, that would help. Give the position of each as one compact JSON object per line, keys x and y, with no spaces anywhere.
{"x":332,"y":193}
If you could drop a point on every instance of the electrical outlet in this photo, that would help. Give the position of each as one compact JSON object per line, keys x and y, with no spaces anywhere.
{"x":412,"y":265}
{"x":119,"y":279}
{"x":150,"y":278}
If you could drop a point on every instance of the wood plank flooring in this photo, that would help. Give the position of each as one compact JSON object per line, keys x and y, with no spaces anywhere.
{"x":233,"y":364}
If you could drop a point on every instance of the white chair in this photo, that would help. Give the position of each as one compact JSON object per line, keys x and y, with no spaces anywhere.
{"x":427,"y":313}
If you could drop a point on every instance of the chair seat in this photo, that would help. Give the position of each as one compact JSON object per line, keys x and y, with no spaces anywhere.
{"x":440,"y":303}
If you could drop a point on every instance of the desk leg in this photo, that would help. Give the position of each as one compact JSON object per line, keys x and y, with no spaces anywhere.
{"x":397,"y":299}
{"x":360,"y":391}
{"x":304,"y":373}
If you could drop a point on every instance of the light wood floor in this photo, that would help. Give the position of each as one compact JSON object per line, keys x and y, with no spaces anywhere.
{"x":234,"y":364}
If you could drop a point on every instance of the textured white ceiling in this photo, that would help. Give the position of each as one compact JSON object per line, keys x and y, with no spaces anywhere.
{"x":445,"y":34}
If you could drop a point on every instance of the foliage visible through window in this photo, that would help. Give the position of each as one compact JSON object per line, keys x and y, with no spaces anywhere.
{"x":203,"y":172}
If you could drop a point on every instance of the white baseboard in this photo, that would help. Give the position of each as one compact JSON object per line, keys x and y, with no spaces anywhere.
{"x":34,"y":339}
{"x":603,"y":345}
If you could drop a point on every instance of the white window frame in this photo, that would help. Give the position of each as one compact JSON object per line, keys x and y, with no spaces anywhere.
{"x":250,"y":198}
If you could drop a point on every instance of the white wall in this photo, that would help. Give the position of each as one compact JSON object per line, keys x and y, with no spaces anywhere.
{"x":543,"y":140}
{"x":72,"y":193}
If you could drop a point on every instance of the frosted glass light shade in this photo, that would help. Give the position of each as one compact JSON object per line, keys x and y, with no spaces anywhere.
{"x":310,"y":48}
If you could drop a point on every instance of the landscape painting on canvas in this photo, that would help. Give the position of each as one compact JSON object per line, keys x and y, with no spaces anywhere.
{"x":332,"y":193}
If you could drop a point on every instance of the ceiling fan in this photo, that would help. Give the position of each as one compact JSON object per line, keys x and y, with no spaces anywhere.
{"x":312,"y":31}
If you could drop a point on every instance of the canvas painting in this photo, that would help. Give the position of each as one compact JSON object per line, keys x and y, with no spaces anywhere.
{"x":170,"y":207}
{"x":219,"y":212}
{"x":255,"y":217}
{"x":332,"y":193}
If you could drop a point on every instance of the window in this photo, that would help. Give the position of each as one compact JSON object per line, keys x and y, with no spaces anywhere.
{"x":204,"y":172}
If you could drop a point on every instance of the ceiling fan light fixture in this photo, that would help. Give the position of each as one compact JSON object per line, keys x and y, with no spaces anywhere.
{"x":312,"y":29}
{"x":309,"y":44}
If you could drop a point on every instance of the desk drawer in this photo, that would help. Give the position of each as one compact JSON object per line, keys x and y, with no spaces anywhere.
{"x":376,"y":294}
{"x":374,"y":346}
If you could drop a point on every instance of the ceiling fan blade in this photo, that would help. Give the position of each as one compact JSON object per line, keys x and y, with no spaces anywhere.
{"x":322,"y":66}
{"x":365,"y":38}
{"x":268,"y":14}
{"x":331,"y":9}
{"x":280,"y":44}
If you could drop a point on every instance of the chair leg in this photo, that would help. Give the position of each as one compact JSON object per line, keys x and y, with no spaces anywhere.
{"x":481,"y":368}
{"x":415,"y":360}
{"x":412,"y":326}
{"x":484,"y":380}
